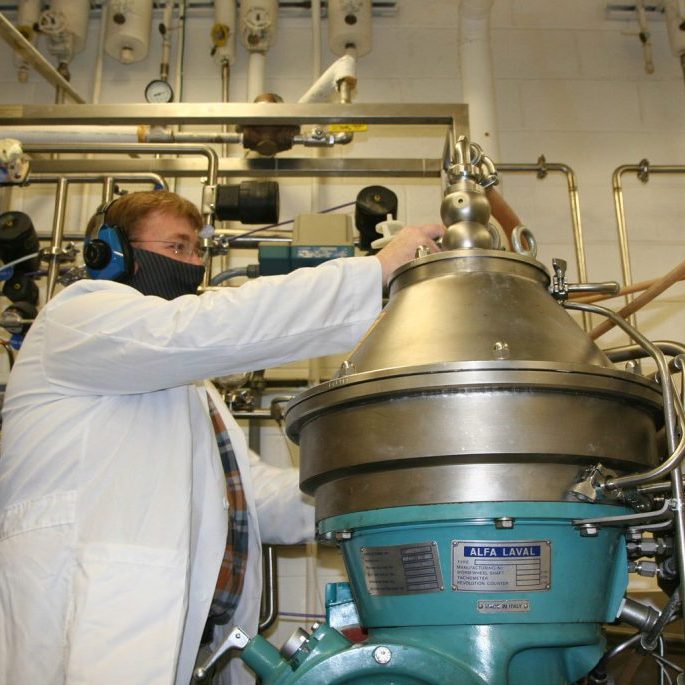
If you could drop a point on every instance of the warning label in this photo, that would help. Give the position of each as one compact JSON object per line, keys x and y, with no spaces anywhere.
{"x":402,"y":569}
{"x":484,"y":566}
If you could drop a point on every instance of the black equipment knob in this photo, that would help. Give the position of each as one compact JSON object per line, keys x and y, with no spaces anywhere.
{"x":373,"y":205}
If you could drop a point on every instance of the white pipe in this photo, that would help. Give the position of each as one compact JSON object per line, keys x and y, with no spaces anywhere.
{"x":342,"y":68}
{"x":316,"y":39}
{"x":28,"y":12}
{"x":256,"y":75}
{"x":477,"y":77}
{"x":225,"y":16}
{"x":645,"y":36}
{"x":74,"y":134}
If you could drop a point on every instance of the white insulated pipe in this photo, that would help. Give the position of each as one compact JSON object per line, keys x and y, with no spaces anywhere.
{"x":316,"y":39}
{"x":225,"y":26}
{"x":75,"y":134}
{"x":256,"y":75}
{"x":477,"y":76}
{"x":343,"y":68}
{"x":28,"y":13}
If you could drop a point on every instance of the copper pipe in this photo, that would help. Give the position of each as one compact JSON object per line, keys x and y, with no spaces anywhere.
{"x":658,"y":287}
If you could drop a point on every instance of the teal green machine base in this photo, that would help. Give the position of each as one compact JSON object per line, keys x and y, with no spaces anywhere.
{"x":464,"y":594}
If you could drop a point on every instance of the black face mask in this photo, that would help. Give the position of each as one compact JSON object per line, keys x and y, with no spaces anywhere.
{"x":164,"y":277}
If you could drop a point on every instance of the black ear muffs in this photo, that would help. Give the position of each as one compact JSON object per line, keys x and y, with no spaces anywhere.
{"x":108,"y":255}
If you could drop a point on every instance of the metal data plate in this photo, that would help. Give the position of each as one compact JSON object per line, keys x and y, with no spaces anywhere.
{"x":402,"y":569}
{"x":514,"y":566}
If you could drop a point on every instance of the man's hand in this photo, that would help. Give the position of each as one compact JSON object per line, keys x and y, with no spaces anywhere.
{"x":402,"y":248}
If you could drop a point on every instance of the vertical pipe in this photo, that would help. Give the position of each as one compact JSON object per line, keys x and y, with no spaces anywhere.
{"x":95,"y":97}
{"x":316,"y":39}
{"x":577,"y":234}
{"x":107,"y":189}
{"x":180,"y":57}
{"x":256,"y":79}
{"x":166,"y":40}
{"x":311,"y":549}
{"x":269,"y":608}
{"x":57,"y":232}
{"x":622,"y":234}
{"x":225,"y":90}
{"x":477,"y":74}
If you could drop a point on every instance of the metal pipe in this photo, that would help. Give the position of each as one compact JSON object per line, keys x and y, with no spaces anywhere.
{"x":659,"y":286}
{"x":269,"y":608}
{"x":627,"y":352}
{"x":277,"y":113}
{"x":676,"y":447}
{"x":225,"y":90}
{"x":138,"y":148}
{"x":155,"y":179}
{"x":643,"y":170}
{"x":57,"y":230}
{"x":28,"y":52}
{"x":542,"y":168}
{"x":671,"y":406}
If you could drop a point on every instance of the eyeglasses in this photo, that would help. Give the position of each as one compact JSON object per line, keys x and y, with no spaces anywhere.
{"x":178,"y":248}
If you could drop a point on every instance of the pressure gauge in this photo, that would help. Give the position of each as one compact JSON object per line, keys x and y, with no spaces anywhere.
{"x":158,"y":91}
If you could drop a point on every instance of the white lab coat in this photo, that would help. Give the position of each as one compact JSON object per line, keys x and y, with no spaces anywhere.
{"x":112,"y":497}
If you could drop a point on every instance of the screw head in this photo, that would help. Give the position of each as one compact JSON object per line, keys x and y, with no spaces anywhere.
{"x":382,"y":655}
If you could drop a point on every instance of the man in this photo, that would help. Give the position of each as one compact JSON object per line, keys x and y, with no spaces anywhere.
{"x":113,"y":492}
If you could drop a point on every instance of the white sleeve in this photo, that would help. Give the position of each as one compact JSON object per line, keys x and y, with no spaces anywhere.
{"x":113,"y":340}
{"x":285,"y":515}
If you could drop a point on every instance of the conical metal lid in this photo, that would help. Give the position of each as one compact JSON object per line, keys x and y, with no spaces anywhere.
{"x":472,"y":305}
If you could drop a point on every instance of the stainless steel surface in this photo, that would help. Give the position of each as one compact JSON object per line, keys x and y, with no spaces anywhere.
{"x":673,"y":409}
{"x":436,"y":483}
{"x":463,"y":302}
{"x":431,"y":409}
{"x":294,"y":643}
{"x":236,"y":113}
{"x":465,"y":209}
{"x":285,"y":167}
{"x":24,"y":47}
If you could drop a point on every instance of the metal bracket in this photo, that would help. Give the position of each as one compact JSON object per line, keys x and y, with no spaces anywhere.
{"x":236,"y":639}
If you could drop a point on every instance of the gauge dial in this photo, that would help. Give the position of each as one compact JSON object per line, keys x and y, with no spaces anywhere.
{"x":159,"y":91}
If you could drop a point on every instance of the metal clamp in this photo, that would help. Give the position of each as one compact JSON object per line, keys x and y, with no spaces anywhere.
{"x":236,"y":639}
{"x":59,"y":254}
{"x":561,"y":289}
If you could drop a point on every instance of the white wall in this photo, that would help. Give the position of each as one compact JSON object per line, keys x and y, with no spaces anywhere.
{"x":570,"y":85}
